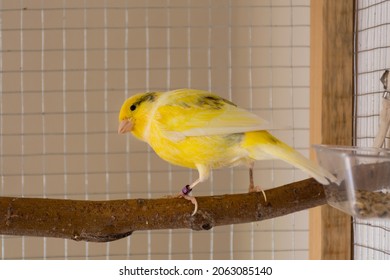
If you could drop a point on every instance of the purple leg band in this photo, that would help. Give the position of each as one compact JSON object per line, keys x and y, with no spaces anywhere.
{"x":186,"y":190}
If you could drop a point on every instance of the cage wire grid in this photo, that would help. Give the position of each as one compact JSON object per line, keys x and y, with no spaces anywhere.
{"x":372,"y":52}
{"x":67,"y":66}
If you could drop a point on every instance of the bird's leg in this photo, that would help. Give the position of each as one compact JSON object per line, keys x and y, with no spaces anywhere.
{"x":203,"y":175}
{"x":185,"y":194}
{"x":252,"y":187}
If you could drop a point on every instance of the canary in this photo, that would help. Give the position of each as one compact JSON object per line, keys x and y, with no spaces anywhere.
{"x":200,"y":130}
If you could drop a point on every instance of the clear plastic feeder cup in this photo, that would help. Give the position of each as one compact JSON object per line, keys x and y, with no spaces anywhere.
{"x":363,"y":179}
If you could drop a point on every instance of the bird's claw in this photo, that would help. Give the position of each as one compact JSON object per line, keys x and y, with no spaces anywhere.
{"x":193,"y":200}
{"x":257,"y":189}
{"x":184,"y":193}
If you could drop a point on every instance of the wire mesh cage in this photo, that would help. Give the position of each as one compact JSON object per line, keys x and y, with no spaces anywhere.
{"x":372,"y":54}
{"x":67,"y":66}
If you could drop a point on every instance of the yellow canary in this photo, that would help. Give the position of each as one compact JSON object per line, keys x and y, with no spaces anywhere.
{"x":198,"y":129}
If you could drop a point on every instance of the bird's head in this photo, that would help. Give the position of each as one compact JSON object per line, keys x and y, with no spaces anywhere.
{"x":134,"y":113}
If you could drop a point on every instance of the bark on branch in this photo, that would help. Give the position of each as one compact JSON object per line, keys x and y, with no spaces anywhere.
{"x":103,"y":221}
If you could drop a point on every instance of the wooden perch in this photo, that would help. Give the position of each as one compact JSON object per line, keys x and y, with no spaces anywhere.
{"x":103,"y":221}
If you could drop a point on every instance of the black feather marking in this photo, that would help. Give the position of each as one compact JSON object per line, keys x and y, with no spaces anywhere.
{"x":213,"y":102}
{"x":147,"y":97}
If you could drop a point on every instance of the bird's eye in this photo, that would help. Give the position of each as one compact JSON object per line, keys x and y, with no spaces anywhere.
{"x":132,"y":107}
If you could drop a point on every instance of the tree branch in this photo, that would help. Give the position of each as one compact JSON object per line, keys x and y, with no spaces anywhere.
{"x":103,"y":221}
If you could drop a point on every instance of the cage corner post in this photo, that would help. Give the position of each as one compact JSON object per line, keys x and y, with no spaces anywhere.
{"x":331,"y":103}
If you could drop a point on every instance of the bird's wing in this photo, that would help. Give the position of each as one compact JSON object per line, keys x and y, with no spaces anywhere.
{"x":198,"y":113}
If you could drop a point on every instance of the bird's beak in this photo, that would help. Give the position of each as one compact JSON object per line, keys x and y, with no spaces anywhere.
{"x":125,"y":126}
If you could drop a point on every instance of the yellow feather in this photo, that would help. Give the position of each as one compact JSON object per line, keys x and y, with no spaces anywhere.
{"x":201,"y":113}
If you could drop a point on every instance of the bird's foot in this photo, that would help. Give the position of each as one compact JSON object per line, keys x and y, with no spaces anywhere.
{"x":184,"y":193}
{"x":253,"y":188}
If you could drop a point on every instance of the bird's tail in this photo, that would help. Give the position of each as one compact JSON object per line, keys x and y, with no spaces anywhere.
{"x":263,"y":145}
